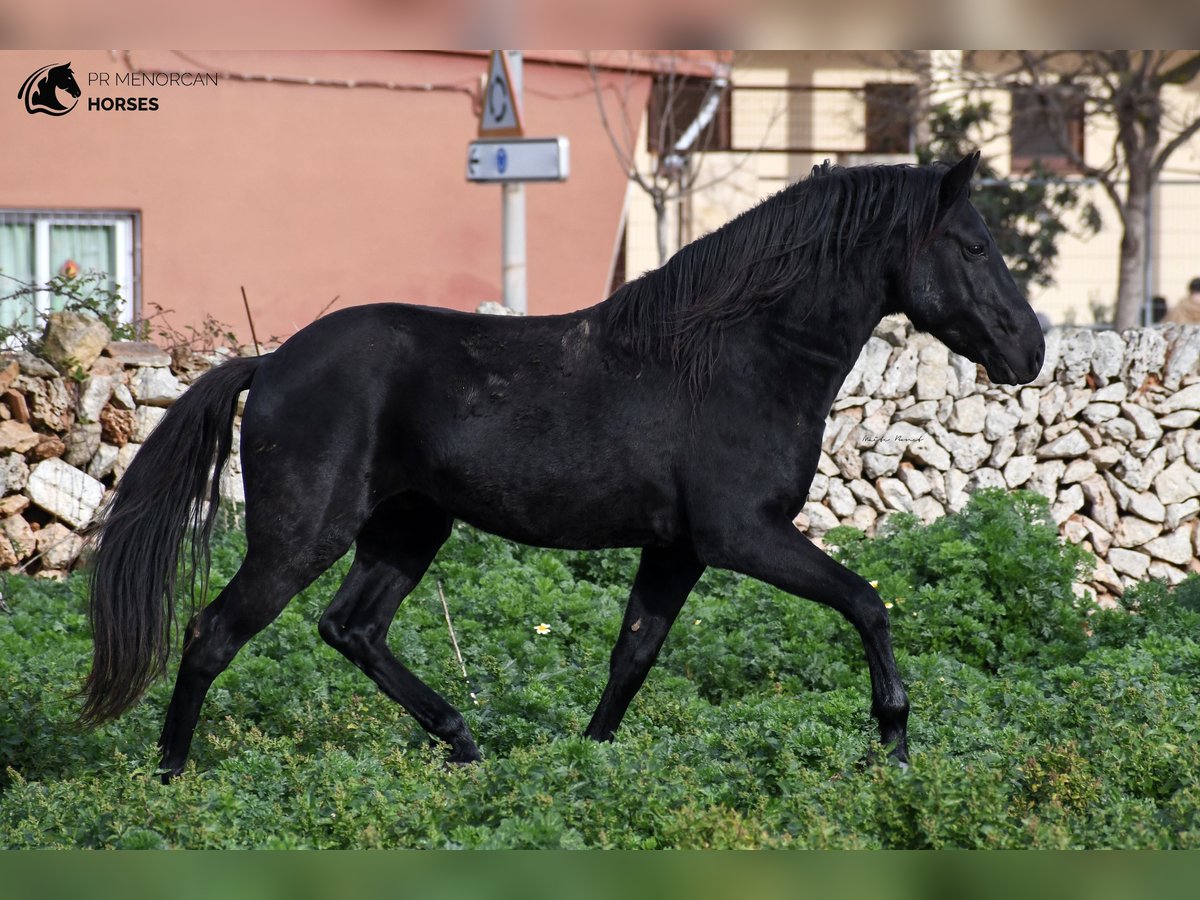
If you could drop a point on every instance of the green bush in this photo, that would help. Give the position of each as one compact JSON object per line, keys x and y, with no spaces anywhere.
{"x":1034,"y":724}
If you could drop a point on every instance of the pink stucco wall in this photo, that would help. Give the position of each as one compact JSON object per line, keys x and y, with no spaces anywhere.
{"x":302,"y":193}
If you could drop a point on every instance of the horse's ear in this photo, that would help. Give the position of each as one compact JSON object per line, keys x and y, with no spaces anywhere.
{"x":957,"y":181}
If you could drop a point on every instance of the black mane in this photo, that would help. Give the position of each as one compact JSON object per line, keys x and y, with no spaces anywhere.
{"x":834,"y":219}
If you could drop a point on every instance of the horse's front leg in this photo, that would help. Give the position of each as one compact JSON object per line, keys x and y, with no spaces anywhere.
{"x":775,"y":552}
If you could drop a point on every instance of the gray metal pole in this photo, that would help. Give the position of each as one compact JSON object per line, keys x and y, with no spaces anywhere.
{"x":513,"y":203}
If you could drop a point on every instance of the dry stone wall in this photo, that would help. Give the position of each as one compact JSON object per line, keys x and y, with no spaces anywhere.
{"x":1107,"y":433}
{"x":71,"y":421}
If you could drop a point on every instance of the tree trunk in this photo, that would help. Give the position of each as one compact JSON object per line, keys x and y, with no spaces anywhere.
{"x":1131,"y":283}
{"x":661,"y":223}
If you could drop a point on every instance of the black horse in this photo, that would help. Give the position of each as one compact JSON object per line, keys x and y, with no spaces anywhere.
{"x":683,"y":415}
{"x":44,"y":98}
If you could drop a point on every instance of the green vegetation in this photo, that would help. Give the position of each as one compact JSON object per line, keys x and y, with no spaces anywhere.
{"x":1036,"y":721}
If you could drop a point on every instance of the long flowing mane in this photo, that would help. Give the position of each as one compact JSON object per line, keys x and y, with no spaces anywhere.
{"x":836,"y":222}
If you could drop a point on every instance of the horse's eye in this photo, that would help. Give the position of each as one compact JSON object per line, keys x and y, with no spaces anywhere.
{"x":976,"y":249}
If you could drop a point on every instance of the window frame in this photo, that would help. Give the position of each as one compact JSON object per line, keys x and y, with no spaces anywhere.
{"x":127,"y":246}
{"x":1075,"y":120}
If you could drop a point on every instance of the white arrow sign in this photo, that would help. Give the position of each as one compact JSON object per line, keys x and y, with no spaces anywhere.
{"x":527,"y":159}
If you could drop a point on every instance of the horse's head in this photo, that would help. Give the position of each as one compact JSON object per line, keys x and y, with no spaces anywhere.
{"x":962,"y":292}
{"x":63,"y":77}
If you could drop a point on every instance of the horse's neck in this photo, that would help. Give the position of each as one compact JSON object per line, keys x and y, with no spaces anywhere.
{"x":835,"y":323}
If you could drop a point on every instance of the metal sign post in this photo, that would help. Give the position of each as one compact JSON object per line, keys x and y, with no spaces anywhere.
{"x":504,"y":156}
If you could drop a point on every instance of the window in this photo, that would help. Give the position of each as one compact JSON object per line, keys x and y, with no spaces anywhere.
{"x":675,"y":103}
{"x":890,"y":118}
{"x":37,"y":245}
{"x":1044,"y":122}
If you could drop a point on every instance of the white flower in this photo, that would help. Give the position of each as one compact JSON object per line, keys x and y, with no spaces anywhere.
{"x":543,"y":628}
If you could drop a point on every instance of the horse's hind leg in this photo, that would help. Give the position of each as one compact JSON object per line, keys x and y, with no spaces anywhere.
{"x":664,"y":579}
{"x":269,"y":577}
{"x":392,"y":553}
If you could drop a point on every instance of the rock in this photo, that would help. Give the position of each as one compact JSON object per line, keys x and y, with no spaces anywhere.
{"x":895,"y":494}
{"x":840,"y":500}
{"x":19,"y":535}
{"x":1177,"y":482}
{"x":155,"y":387}
{"x":1191,"y":449}
{"x":1161,"y":571}
{"x":1077,"y":470}
{"x":125,"y":456}
{"x":58,"y":545}
{"x":1107,"y":356}
{"x":965,"y":375}
{"x":1177,"y":513}
{"x":1140,"y":474}
{"x":919,"y":413}
{"x":74,"y":339}
{"x":17,"y":436}
{"x":103,"y":461}
{"x":8,"y":556}
{"x":34,"y":366}
{"x":1029,"y":438}
{"x":1069,"y":446}
{"x":116,"y":425}
{"x":13,"y":505}
{"x":1181,"y":358}
{"x":1078,"y":347}
{"x":94,"y":396}
{"x":1143,"y":420}
{"x":1184,"y":418}
{"x":1100,"y":537}
{"x":121,"y":398}
{"x":826,"y":466}
{"x":915,"y":480}
{"x":83,"y":440}
{"x":893,"y":329}
{"x":999,"y":423}
{"x":1017,"y":471}
{"x":987,"y":477}
{"x":9,"y":370}
{"x":1046,"y":477}
{"x":1175,"y":547}
{"x":1145,"y":352}
{"x":1068,"y":502}
{"x":1104,"y":457}
{"x":1104,"y":574}
{"x":933,"y":374}
{"x":849,"y":460}
{"x":1102,"y":506}
{"x":145,"y":418}
{"x":927,"y":509}
{"x":1002,"y":450}
{"x":969,"y":452}
{"x":819,"y":487}
{"x":49,"y":446}
{"x":1188,"y":398}
{"x":14,"y":402}
{"x":969,"y":415}
{"x":1146,"y":505}
{"x":900,"y":376}
{"x":1120,"y":431}
{"x":64,"y":491}
{"x":864,"y":519}
{"x":1112,"y":393}
{"x":872,"y":362}
{"x":1051,"y":404}
{"x":1073,"y":531}
{"x":138,"y":353}
{"x":820,"y":519}
{"x":956,"y":490}
{"x":928,"y":452}
{"x":14,"y":472}
{"x":1129,"y":562}
{"x":866,"y":493}
{"x":52,"y":402}
{"x":1095,"y":413}
{"x":1133,"y":532}
{"x":1053,"y":342}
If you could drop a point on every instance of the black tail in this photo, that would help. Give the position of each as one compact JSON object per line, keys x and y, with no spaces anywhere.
{"x":141,"y":531}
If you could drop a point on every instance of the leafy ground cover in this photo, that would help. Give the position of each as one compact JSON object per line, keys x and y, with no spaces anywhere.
{"x":1037,"y":721}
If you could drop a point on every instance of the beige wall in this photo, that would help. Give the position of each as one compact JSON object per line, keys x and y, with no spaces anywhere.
{"x":302,"y":193}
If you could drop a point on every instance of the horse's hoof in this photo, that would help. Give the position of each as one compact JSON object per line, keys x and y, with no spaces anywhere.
{"x":464,"y":757}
